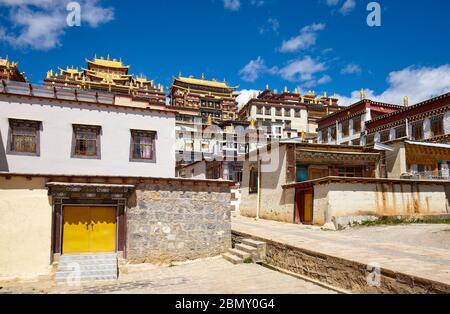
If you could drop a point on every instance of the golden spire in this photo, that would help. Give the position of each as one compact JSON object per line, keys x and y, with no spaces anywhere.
{"x":203,"y":76}
{"x":406,"y":101}
{"x":210,"y":120}
{"x":296,"y":91}
{"x":286,"y":90}
{"x":275,"y":91}
{"x":362,"y":94}
{"x":267,"y":87}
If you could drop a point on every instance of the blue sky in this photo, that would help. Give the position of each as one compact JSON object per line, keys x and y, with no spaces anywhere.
{"x":320,"y":45}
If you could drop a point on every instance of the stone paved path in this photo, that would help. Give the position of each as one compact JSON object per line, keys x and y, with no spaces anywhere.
{"x":210,"y":276}
{"x":362,"y":245}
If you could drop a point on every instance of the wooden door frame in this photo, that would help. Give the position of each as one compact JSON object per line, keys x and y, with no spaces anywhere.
{"x":299,"y":215}
{"x":58,"y":222}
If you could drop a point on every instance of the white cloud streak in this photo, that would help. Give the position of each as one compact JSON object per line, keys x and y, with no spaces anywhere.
{"x":418,"y":83}
{"x":40,"y":24}
{"x":301,"y":70}
{"x":306,"y":39}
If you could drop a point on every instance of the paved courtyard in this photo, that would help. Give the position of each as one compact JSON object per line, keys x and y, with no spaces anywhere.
{"x":418,"y":249}
{"x":209,"y":276}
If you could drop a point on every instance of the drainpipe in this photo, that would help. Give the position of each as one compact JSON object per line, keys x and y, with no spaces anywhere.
{"x":258,"y":201}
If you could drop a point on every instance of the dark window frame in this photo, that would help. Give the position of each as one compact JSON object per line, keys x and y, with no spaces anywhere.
{"x":253,"y":181}
{"x":151,"y":133}
{"x":417,"y":128}
{"x":357,"y":122}
{"x":36,"y":125}
{"x":441,"y":129}
{"x":345,"y":128}
{"x":86,"y":128}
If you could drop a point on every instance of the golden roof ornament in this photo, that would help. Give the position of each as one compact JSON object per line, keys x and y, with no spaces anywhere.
{"x":252,"y":124}
{"x":210,"y":120}
{"x":296,"y":91}
{"x":406,"y":101}
{"x":286,"y":90}
{"x":267,"y":87}
{"x":362,"y":94}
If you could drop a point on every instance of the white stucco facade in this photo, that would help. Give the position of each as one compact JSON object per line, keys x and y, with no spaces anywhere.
{"x":57,"y":119}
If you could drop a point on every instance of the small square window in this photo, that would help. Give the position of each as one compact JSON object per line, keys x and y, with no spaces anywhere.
{"x":86,"y":142}
{"x":24,"y":137}
{"x":143,"y":145}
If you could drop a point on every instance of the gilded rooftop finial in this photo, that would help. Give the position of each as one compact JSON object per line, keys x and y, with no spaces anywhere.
{"x":406,"y":101}
{"x":362,"y":94}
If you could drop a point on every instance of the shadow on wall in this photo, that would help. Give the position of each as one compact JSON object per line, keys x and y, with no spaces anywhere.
{"x":447,"y":196}
{"x":3,"y":161}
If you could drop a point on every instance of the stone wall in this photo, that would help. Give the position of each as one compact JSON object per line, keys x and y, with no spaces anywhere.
{"x":177,"y":222}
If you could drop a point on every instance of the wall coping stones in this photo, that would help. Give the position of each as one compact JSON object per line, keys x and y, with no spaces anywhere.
{"x":119,"y":180}
{"x":331,"y":179}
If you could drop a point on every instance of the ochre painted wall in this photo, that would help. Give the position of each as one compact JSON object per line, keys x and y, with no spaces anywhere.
{"x":25,"y":228}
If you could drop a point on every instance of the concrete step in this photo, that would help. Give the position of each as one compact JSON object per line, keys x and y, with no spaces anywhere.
{"x":87,"y":273}
{"x":241,"y":254}
{"x":88,"y":279}
{"x":246,"y":248}
{"x":71,"y":267}
{"x":232,"y":258}
{"x":93,"y":267}
{"x":87,"y":257}
{"x":253,"y":243}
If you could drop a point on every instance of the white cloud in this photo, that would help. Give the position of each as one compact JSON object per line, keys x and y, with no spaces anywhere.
{"x":418,"y":83}
{"x":271,"y":25}
{"x":257,"y":3}
{"x":348,"y":7}
{"x":306,"y":39}
{"x":252,"y":70}
{"x":40,"y":24}
{"x":351,"y":69}
{"x":302,"y":70}
{"x":245,"y":95}
{"x":232,"y":5}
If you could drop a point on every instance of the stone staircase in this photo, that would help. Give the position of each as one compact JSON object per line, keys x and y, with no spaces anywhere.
{"x":247,"y":249}
{"x":84,"y":268}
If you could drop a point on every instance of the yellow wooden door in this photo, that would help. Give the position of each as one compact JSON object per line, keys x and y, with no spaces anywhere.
{"x":89,"y":230}
{"x":103,"y":230}
{"x":76,"y":232}
{"x":308,"y":207}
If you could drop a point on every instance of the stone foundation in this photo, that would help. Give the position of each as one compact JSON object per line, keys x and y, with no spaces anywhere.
{"x":178,"y":222}
{"x":341,"y":273}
